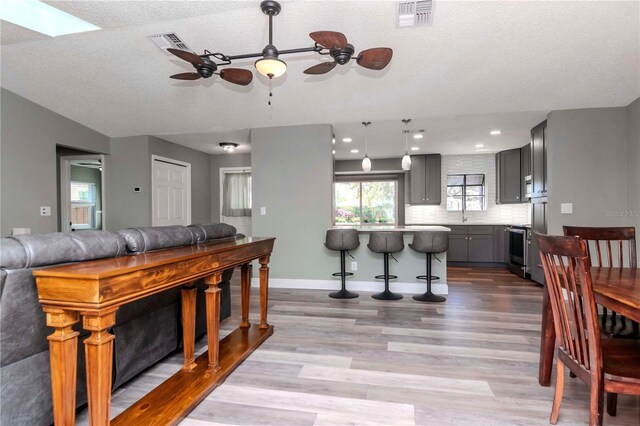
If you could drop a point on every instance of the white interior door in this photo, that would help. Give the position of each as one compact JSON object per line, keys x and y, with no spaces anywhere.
{"x":171,"y":192}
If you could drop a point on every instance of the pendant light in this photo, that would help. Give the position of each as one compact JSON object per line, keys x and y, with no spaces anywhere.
{"x":406,"y":160}
{"x":366,"y":162}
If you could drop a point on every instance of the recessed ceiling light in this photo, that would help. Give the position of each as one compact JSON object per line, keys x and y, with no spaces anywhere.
{"x":418,"y":136}
{"x":41,"y":17}
{"x":495,"y":132}
{"x":415,"y":148}
{"x":479,"y":145}
{"x":333,"y":140}
{"x":333,"y":152}
{"x":354,"y":151}
{"x":347,"y":140}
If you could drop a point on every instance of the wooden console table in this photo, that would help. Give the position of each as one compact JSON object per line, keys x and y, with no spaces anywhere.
{"x":96,"y":289}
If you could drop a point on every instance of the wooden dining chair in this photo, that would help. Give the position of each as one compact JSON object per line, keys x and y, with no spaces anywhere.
{"x":606,"y":365}
{"x":601,"y":239}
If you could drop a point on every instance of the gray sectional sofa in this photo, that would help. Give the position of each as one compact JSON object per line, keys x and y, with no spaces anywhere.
{"x":25,"y":393}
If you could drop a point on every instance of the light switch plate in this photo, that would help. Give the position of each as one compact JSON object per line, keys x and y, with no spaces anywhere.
{"x":263,"y":211}
{"x":45,"y":211}
{"x":566,"y":208}
{"x":20,"y":231}
{"x":354,"y":266}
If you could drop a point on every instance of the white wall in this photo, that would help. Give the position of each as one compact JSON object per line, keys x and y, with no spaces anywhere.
{"x":495,"y":214}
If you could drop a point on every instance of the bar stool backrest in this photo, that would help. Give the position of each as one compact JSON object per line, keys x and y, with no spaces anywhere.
{"x":430,"y":241}
{"x":386,"y":241}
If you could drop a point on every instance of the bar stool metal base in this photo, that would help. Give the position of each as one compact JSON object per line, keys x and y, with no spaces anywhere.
{"x":343,"y":294}
{"x":387,"y":295}
{"x":429,"y":297}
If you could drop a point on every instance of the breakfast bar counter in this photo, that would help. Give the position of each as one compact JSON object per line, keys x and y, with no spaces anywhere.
{"x":410,"y":263}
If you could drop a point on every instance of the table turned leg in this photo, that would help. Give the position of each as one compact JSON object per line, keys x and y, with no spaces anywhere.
{"x":63,"y":352}
{"x":245,"y":287}
{"x":264,"y":291}
{"x":213,"y":320}
{"x":547,"y":342}
{"x":189,"y":326}
{"x":99,"y":353}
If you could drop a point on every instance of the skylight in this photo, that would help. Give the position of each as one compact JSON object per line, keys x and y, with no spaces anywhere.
{"x":41,"y":17}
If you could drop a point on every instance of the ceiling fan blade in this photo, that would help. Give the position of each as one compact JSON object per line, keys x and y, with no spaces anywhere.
{"x":329,"y":39}
{"x":375,"y":59}
{"x":187,"y":56}
{"x":321,"y":68}
{"x":186,"y":76}
{"x":236,"y":76}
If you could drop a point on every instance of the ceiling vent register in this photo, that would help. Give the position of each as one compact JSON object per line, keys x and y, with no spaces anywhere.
{"x":414,"y":13}
{"x":169,"y":41}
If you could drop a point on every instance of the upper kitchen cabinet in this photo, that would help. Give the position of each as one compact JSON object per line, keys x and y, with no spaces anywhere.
{"x":508,"y":177}
{"x":539,"y":161}
{"x":525,"y":170}
{"x":425,"y":180}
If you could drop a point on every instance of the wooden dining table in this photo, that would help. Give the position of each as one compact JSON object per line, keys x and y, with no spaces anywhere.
{"x":617,"y":289}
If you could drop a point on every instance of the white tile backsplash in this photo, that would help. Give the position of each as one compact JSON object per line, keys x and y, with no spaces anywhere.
{"x":495,"y":213}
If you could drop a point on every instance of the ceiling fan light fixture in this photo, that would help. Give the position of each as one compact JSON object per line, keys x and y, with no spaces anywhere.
{"x":228,"y":147}
{"x":269,"y":65}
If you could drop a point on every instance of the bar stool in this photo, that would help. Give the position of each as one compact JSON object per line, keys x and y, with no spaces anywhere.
{"x":387,"y":243}
{"x":429,"y":242}
{"x":342,"y":240}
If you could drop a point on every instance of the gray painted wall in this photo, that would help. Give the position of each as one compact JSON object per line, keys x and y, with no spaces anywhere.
{"x":200,"y":175}
{"x":587,"y":166}
{"x":216,"y":162}
{"x":29,"y":134}
{"x":292,"y":171}
{"x":633,"y":159}
{"x":128,"y":166}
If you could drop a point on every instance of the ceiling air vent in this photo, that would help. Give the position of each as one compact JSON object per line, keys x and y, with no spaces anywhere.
{"x":169,"y":40}
{"x":417,"y":13}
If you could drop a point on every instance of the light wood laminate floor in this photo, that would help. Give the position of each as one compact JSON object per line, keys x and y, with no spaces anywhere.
{"x":471,"y":360}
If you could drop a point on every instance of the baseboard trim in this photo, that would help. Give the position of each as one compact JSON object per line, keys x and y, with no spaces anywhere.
{"x":372,"y":286}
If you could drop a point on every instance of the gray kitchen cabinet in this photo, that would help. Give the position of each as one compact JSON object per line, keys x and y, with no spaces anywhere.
{"x":508,"y":177}
{"x":525,"y":169}
{"x":481,"y":248}
{"x":539,"y":161}
{"x":539,"y":225}
{"x":500,"y":244}
{"x":425,"y":180}
{"x":476,"y":244}
{"x":458,"y":248}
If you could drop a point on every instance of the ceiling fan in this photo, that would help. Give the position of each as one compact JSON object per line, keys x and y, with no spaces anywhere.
{"x":342,"y":52}
{"x":329,"y":43}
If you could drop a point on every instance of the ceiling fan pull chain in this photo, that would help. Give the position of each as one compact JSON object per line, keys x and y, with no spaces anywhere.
{"x":270,"y":92}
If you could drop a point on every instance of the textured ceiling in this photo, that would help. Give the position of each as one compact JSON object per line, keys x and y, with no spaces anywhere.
{"x":479,"y":59}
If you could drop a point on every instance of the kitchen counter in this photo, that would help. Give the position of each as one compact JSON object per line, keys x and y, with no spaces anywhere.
{"x":408,"y":229}
{"x":409,"y":264}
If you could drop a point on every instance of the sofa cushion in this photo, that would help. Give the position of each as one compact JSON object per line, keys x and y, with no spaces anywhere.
{"x":12,"y":254}
{"x":141,"y":240}
{"x":212,"y":231}
{"x":62,"y":247}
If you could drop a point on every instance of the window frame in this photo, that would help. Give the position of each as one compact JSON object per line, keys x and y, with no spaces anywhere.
{"x":464,"y":191}
{"x":368,"y":179}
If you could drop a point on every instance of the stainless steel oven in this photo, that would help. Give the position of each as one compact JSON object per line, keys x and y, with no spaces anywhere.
{"x":518,"y":247}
